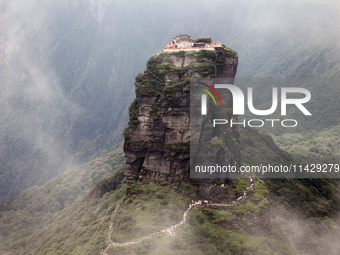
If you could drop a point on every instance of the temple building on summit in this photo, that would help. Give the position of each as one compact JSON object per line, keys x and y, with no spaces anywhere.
{"x":186,"y":43}
{"x":182,"y":41}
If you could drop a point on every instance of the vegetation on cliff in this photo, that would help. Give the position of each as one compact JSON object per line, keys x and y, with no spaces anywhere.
{"x":157,"y":138}
{"x":151,"y":83}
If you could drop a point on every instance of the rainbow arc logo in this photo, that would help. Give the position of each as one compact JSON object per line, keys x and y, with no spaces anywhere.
{"x":209,"y":93}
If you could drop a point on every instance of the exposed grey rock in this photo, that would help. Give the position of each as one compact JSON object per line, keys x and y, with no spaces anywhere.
{"x":157,"y":140}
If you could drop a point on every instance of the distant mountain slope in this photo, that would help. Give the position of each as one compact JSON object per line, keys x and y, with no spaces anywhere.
{"x":65,"y":88}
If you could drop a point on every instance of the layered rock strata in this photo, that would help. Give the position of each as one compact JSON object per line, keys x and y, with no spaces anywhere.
{"x":157,"y":140}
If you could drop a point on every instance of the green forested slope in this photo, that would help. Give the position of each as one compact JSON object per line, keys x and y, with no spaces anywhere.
{"x":71,"y":214}
{"x":44,"y":217}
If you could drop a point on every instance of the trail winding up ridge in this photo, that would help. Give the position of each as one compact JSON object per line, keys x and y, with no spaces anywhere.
{"x":171,"y":229}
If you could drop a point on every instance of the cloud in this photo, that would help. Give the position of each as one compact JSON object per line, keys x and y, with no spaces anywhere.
{"x":31,"y":97}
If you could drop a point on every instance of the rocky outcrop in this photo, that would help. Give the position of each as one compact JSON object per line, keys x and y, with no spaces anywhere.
{"x":157,"y":140}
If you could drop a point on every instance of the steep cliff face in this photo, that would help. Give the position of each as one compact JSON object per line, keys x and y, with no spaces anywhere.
{"x":157,"y":140}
